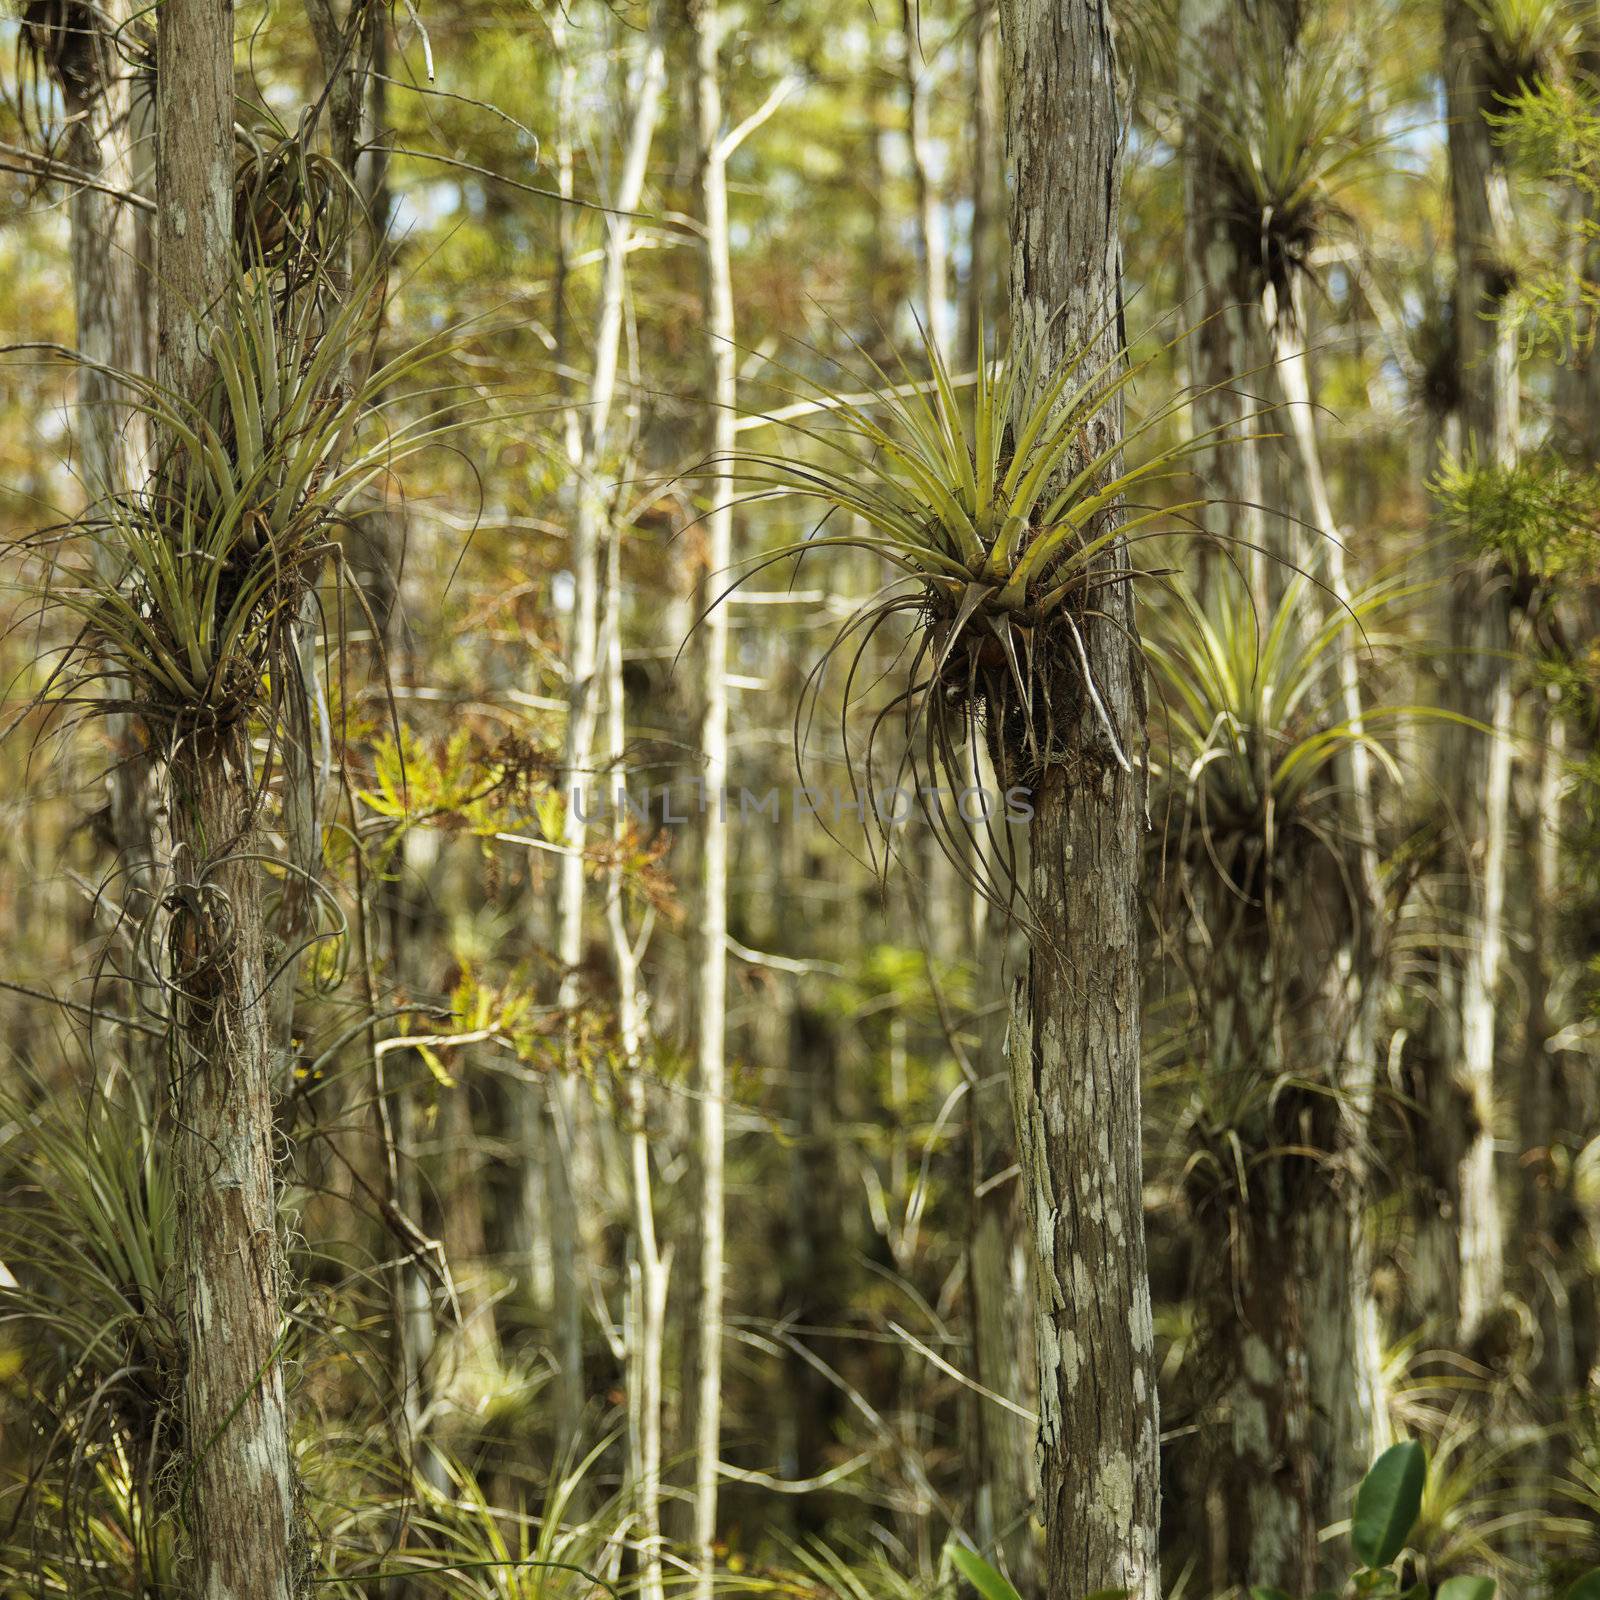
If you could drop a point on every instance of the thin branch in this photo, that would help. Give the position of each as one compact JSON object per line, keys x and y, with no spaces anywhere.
{"x":757,"y":958}
{"x":955,"y":1372}
{"x":515,"y":183}
{"x":736,"y":136}
{"x":33,"y":165}
{"x":836,"y":402}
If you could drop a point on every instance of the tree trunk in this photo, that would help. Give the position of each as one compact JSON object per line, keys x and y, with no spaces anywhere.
{"x":1474,"y":773}
{"x":977,"y":303}
{"x":1075,"y":1031}
{"x":932,"y":254}
{"x":1285,"y":1332}
{"x":241,"y":1493}
{"x":240,"y":1490}
{"x":194,"y":183}
{"x":711,"y":1000}
{"x":110,"y":310}
{"x":999,"y":1289}
{"x":1226,"y":351}
{"x":648,"y":1270}
{"x":592,"y":441}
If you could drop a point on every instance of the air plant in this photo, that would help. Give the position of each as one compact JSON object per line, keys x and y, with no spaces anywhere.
{"x":1525,"y":38}
{"x":187,"y":589}
{"x":1479,"y":1499}
{"x":1250,"y":735}
{"x":1286,"y":134}
{"x":88,"y":1228}
{"x":1002,"y":518}
{"x":293,"y":207}
{"x":91,"y":1223}
{"x":1255,"y":724}
{"x":461,"y":1545}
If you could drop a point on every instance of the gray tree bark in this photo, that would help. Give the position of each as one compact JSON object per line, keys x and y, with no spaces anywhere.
{"x":1075,"y":1028}
{"x":242,"y":1497}
{"x":240,"y":1492}
{"x":1283,"y":1331}
{"x":1475,"y":770}
{"x":110,"y":309}
{"x":1227,"y":351}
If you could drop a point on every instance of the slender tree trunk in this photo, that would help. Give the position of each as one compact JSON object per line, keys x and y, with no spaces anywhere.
{"x":241,"y":1493}
{"x":999,"y":1287}
{"x":307,"y":738}
{"x":1345,"y":1385}
{"x":1004,"y":1474}
{"x":110,"y":307}
{"x":977,"y":306}
{"x":240,"y":1488}
{"x":1284,"y":1329}
{"x":1226,"y":351}
{"x":932,"y":254}
{"x":1476,"y":772}
{"x":645,"y":1323}
{"x":108,"y":293}
{"x":711,"y":1001}
{"x":1075,"y":1031}
{"x":593,"y":511}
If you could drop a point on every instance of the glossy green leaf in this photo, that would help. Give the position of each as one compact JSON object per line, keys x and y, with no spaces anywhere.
{"x":1466,"y":1589}
{"x":1387,"y":1503}
{"x":990,"y":1584}
{"x":1586,"y":1588}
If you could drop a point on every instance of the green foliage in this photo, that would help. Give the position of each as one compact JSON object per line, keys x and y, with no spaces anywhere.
{"x":1387,"y":1503}
{"x":1550,"y":131}
{"x":1287,"y":129}
{"x":88,"y":1227}
{"x":1389,"y":1520}
{"x":459,"y":1544}
{"x":1253,"y":714}
{"x":98,"y":1234}
{"x":1539,"y":513}
{"x":1525,"y":37}
{"x":1000,"y":517}
{"x":186,"y":589}
{"x":1466,"y":1589}
{"x":994,"y":509}
{"x":991,"y":1585}
{"x":458,"y":783}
